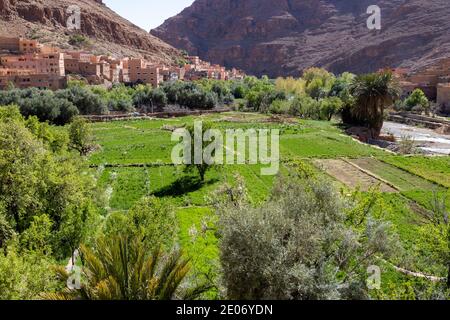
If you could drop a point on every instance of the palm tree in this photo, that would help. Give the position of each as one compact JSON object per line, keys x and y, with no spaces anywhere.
{"x":119,"y":269}
{"x":373,"y":92}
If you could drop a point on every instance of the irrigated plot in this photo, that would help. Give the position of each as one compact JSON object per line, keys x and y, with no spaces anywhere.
{"x":327,"y":143}
{"x":403,"y":180}
{"x":129,"y":185}
{"x":352,"y":176}
{"x":436,"y":169}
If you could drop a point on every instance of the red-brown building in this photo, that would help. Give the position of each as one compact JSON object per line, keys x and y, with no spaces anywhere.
{"x":27,"y":63}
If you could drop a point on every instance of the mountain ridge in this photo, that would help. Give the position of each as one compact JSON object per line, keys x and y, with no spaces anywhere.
{"x":283,"y":37}
{"x":108,"y":32}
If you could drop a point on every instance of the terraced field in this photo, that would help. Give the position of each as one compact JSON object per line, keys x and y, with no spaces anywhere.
{"x":351,"y":176}
{"x":408,"y":184}
{"x":436,"y":169}
{"x":401,"y":179}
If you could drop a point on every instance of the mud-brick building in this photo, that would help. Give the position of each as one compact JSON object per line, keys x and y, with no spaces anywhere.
{"x":443,"y":95}
{"x":141,"y":72}
{"x":37,"y":63}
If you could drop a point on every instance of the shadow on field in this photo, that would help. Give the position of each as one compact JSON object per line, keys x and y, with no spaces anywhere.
{"x":183,"y":186}
{"x":341,"y":126}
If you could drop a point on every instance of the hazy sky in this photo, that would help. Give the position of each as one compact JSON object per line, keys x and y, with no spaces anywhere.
{"x":147,"y":14}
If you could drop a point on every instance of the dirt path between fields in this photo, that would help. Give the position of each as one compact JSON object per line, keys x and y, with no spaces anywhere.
{"x":352,"y":176}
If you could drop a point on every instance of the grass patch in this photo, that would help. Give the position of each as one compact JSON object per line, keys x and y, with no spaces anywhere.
{"x":197,"y":237}
{"x":401,"y":179}
{"x":436,"y":169}
{"x":427,"y":198}
{"x":411,"y":227}
{"x":129,"y":185}
{"x":325,"y":144}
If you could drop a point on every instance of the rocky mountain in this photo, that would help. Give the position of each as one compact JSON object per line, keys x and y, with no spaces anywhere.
{"x":283,"y":37}
{"x":103,"y":31}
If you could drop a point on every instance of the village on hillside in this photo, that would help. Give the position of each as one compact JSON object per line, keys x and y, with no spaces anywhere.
{"x":27,"y":63}
{"x":433,"y":80}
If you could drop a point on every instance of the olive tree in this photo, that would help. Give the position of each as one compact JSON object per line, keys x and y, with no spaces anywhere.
{"x":298,"y":245}
{"x":81,"y":136}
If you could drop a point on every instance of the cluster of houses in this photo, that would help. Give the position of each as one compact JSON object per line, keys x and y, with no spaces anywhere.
{"x":27,"y":63}
{"x":433,"y":80}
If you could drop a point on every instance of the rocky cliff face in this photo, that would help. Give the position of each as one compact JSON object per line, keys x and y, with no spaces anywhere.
{"x":283,"y":37}
{"x":46,"y":21}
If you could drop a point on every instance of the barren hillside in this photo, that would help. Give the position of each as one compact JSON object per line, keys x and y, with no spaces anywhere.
{"x":106,"y":31}
{"x":282,"y":37}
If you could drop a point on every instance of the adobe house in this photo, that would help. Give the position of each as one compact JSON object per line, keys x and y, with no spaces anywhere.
{"x":28,"y":63}
{"x":41,"y":81}
{"x":9,"y":44}
{"x":38,"y":63}
{"x":443,"y":94}
{"x":89,"y":69}
{"x":140,"y":72}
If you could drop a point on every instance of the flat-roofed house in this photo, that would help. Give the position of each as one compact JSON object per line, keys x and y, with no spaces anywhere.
{"x":443,"y":94}
{"x":140,"y":72}
{"x":9,"y":44}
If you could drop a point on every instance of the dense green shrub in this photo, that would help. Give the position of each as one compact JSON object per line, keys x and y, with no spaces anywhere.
{"x":120,"y":98}
{"x":190,"y":95}
{"x":298,"y":245}
{"x":84,"y":99}
{"x":145,"y":97}
{"x":44,"y":104}
{"x":417,"y":102}
{"x":39,"y":174}
{"x":151,"y":219}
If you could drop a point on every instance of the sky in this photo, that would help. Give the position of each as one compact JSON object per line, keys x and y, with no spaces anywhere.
{"x":147,"y":14}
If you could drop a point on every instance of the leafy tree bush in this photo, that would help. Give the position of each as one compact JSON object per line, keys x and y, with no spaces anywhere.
{"x":238,"y":89}
{"x":120,"y":98}
{"x":203,"y":167}
{"x":25,"y":274}
{"x":306,"y":108}
{"x":291,"y":86}
{"x":341,"y":89}
{"x":318,"y":82}
{"x":6,"y":230}
{"x":81,"y":136}
{"x":84,"y":99}
{"x":37,"y":237}
{"x":330,"y":107}
{"x":150,"y":99}
{"x":280,"y":107}
{"x":151,"y":219}
{"x":190,"y":95}
{"x":417,"y":99}
{"x":41,"y":103}
{"x":36,"y":180}
{"x":298,"y":245}
{"x":79,"y":40}
{"x":223,"y":92}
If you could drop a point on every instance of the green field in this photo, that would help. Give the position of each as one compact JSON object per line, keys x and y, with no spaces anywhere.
{"x":402,"y":179}
{"x":436,"y":169}
{"x":148,"y":142}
